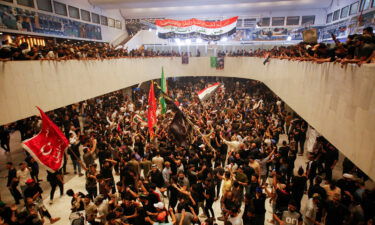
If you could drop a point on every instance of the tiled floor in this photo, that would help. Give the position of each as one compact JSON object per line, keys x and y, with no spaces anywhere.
{"x":61,"y":206}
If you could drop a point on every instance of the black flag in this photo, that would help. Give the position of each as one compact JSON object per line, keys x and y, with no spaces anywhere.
{"x":180,"y":129}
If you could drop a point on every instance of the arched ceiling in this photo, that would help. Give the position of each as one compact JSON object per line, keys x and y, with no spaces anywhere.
{"x":188,"y":8}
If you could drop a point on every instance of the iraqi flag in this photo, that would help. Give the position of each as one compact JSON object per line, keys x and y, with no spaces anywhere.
{"x":193,"y":28}
{"x":48,"y":146}
{"x":208,"y":91}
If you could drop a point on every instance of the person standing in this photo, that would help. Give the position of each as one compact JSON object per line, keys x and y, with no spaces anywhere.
{"x":290,"y":216}
{"x":288,"y":120}
{"x":74,"y":152}
{"x":55,"y":179}
{"x":88,"y":155}
{"x":91,"y":181}
{"x":12,"y":182}
{"x":33,"y":193}
{"x":209,"y":195}
{"x":158,"y":161}
{"x":218,"y":176}
{"x":311,"y":211}
{"x":167,"y":172}
{"x":23,"y":174}
{"x":33,"y":165}
{"x":5,"y":138}
{"x":298,"y":187}
{"x":145,"y":165}
{"x":297,"y":138}
{"x":311,"y":169}
{"x":331,"y":156}
{"x":336,"y":211}
{"x":90,"y":210}
{"x":303,"y":130}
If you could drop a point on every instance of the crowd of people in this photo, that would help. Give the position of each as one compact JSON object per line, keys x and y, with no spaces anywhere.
{"x":237,"y":159}
{"x":358,"y":49}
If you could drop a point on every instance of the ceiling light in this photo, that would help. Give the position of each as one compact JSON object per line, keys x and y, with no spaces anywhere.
{"x":224,"y":39}
{"x":199,"y":40}
{"x":289,"y":38}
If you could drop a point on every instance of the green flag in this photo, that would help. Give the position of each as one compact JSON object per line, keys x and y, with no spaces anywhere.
{"x":213,"y":61}
{"x":163,"y":84}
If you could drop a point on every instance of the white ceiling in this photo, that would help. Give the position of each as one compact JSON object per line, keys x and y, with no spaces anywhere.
{"x":209,"y":8}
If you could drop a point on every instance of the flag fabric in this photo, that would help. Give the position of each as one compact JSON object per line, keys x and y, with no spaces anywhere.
{"x":220,"y":63}
{"x":207,"y":30}
{"x":163,"y":85}
{"x":213,"y":61}
{"x":151,"y":111}
{"x":207,"y":92}
{"x":48,"y":146}
{"x":180,"y":129}
{"x":119,"y":129}
{"x":137,"y":118}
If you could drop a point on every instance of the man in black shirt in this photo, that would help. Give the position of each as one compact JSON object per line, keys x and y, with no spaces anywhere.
{"x":259,"y":210}
{"x":107,"y":173}
{"x":316,"y":188}
{"x":156,"y":176}
{"x":336,"y":212}
{"x":331,"y":158}
{"x":55,"y":179}
{"x":284,"y":150}
{"x":33,"y":193}
{"x":218,"y":176}
{"x":4,"y":138}
{"x":12,"y":182}
{"x":209,"y":194}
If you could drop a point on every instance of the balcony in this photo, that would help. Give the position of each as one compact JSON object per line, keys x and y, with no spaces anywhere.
{"x":338,"y":102}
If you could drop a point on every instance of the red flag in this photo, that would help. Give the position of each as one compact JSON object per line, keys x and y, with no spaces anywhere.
{"x":48,"y":146}
{"x":119,"y":128}
{"x":151,"y":111}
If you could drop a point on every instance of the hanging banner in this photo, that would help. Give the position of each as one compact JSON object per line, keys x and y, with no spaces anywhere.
{"x":213,"y":61}
{"x":220,"y":63}
{"x":310,"y":36}
{"x":185,"y":59}
{"x":209,"y":30}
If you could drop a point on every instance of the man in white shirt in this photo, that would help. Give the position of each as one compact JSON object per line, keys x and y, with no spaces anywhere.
{"x":102,"y":207}
{"x":158,"y":161}
{"x":23,"y":174}
{"x":234,"y":145}
{"x":235,"y":218}
{"x":311,"y":210}
{"x":167,"y":173}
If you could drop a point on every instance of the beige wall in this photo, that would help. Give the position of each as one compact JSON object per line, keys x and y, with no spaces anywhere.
{"x":338,"y":102}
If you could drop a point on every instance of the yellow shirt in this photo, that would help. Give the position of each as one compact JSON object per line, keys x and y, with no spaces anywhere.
{"x":331,"y":193}
{"x":227,"y":186}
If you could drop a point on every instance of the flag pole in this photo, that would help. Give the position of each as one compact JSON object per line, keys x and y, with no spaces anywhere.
{"x":188,"y":120}
{"x":77,"y":158}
